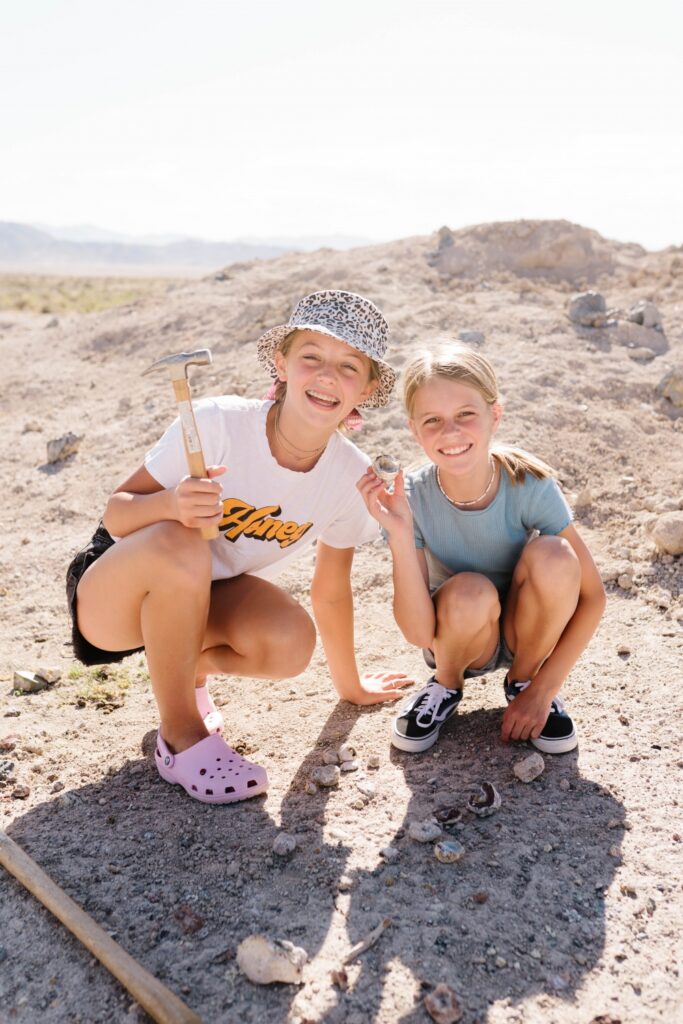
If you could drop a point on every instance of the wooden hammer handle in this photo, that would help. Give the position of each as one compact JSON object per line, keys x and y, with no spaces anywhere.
{"x":193,"y":446}
{"x":159,"y":1002}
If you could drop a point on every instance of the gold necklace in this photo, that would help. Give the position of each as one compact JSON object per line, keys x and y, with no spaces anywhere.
{"x":291,"y":448}
{"x":474,"y":500}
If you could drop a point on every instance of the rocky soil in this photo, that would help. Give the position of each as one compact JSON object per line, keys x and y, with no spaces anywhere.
{"x":566,"y":905}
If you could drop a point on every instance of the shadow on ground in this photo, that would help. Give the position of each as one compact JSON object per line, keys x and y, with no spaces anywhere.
{"x":179,"y":884}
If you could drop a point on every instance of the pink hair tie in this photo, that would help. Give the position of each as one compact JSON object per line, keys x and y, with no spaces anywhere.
{"x":270,"y":394}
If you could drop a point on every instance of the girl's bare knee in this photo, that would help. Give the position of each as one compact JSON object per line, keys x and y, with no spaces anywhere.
{"x":469,"y":598}
{"x":289,"y":651}
{"x":551,"y":562}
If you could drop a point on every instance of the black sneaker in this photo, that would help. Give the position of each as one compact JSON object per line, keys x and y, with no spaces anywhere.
{"x":417,"y":726}
{"x":559,"y":735}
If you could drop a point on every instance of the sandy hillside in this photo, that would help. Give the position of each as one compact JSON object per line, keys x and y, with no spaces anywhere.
{"x":567,"y":905}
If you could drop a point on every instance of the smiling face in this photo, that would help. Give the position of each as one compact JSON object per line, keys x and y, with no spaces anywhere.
{"x":454,"y":424}
{"x":325,"y":378}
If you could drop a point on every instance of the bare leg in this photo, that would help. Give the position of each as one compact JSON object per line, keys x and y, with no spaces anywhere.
{"x":256,"y":629}
{"x":542,"y":599}
{"x":467,"y":631}
{"x":153,"y":588}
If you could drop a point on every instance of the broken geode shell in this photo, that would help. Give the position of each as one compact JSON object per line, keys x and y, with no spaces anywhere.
{"x":448,"y":816}
{"x":386,"y":467}
{"x":486,"y":802}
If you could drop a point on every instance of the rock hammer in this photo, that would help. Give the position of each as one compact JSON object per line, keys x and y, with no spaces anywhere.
{"x":177,"y":367}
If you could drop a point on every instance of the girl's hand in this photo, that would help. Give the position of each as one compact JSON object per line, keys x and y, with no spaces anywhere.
{"x":526,"y":715}
{"x":377,"y":687}
{"x":197,"y":502}
{"x":391,"y":511}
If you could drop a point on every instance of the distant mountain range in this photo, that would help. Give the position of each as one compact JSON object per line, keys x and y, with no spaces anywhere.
{"x":83,"y":248}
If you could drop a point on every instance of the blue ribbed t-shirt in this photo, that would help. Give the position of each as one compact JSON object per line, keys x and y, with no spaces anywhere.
{"x":489,"y":540}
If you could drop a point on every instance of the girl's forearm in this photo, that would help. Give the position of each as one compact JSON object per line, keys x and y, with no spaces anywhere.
{"x":571,"y":644}
{"x":413,"y":605}
{"x":126,"y":512}
{"x":334,"y":619}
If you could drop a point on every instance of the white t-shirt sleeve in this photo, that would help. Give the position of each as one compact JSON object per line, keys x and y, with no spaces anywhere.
{"x":167,"y":461}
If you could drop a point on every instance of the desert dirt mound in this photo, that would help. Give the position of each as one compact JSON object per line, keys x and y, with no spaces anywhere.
{"x":566,"y":906}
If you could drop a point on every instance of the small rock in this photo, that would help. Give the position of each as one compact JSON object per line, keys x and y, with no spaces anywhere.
{"x":500,"y":962}
{"x":330,"y":757}
{"x":62,"y":447}
{"x":6,"y":771}
{"x":448,"y":851}
{"x":609,"y":573}
{"x":33,"y":427}
{"x":424,"y":831}
{"x":471,"y":337}
{"x":486,"y":803}
{"x":32,"y":748}
{"x":350,"y":766}
{"x":346,"y":753}
{"x":389,"y":854}
{"x":636,"y":336}
{"x":588,"y":309}
{"x":480,"y":897}
{"x":21,"y":792}
{"x":8,"y":743}
{"x":284,"y":844}
{"x":52,"y":322}
{"x":442,"y":1005}
{"x":615,"y":852}
{"x":564,"y":785}
{"x":670,"y":387}
{"x":530,"y":768}
{"x":57,"y":787}
{"x":265,"y":960}
{"x":667,"y":533}
{"x":50,"y":675}
{"x":358,"y":804}
{"x":368,"y":789}
{"x":645,"y":313}
{"x":344,"y":883}
{"x":310,"y":788}
{"x":641,"y":354}
{"x":584,"y":499}
{"x":373,"y":761}
{"x":625,"y":581}
{"x":187,"y":919}
{"x":28,"y":682}
{"x":623,"y":649}
{"x":327,"y":776}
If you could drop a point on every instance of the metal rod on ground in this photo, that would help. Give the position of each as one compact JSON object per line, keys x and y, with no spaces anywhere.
{"x":159,"y":1002}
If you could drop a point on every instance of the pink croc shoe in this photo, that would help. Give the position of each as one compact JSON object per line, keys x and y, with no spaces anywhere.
{"x":213,"y":719}
{"x":211,"y":771}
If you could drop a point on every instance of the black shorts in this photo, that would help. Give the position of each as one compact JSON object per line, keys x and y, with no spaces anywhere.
{"x":83,"y":650}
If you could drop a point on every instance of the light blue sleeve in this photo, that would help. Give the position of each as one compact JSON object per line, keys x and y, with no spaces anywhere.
{"x":546,"y":507}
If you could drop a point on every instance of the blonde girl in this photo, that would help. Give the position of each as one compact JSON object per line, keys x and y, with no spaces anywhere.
{"x":488,"y":569}
{"x":281,"y":477}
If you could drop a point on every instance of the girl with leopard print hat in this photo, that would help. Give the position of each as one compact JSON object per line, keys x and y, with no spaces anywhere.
{"x":280,"y":475}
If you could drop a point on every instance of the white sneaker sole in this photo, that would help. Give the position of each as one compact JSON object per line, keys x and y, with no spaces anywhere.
{"x":559,"y":746}
{"x":413,"y":746}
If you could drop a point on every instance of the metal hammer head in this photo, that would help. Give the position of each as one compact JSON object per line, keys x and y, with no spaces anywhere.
{"x":177,"y":364}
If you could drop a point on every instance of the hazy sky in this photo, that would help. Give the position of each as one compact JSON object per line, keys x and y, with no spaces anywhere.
{"x":380,"y":118}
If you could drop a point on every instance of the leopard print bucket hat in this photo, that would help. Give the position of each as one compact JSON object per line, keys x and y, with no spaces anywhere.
{"x":342,"y":315}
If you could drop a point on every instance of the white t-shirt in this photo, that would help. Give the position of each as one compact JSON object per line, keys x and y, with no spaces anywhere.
{"x":271,"y":515}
